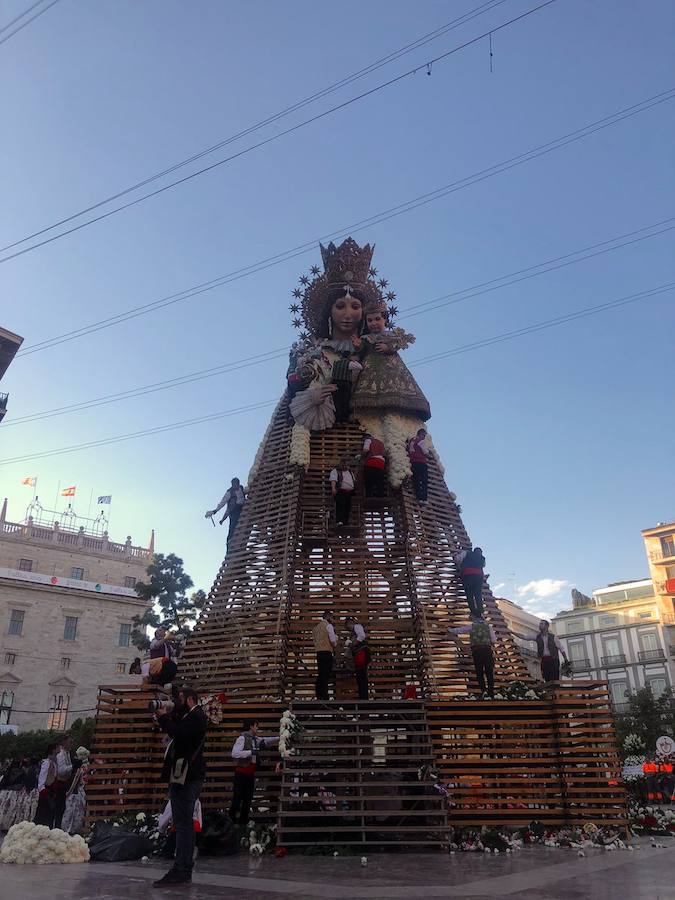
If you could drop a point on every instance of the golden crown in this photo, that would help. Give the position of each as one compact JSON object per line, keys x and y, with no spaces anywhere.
{"x":346,"y":266}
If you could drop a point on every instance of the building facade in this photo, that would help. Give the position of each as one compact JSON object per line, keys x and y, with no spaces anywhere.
{"x":660,"y":550}
{"x":67,"y":602}
{"x":622,"y":634}
{"x":9,"y":344}
{"x":519,"y":619}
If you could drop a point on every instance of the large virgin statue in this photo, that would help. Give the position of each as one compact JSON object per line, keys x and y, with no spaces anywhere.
{"x":346,"y":365}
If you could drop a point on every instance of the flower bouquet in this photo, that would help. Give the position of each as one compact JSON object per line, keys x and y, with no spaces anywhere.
{"x":566,"y":669}
{"x":27,"y":843}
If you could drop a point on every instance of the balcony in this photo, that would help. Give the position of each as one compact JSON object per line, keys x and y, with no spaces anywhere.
{"x":3,"y":405}
{"x":651,"y":655}
{"x":620,"y":708}
{"x":581,"y":665}
{"x":667,"y":552}
{"x":618,"y":659}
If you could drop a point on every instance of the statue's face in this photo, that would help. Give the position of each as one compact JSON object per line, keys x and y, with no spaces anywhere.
{"x":375,"y":322}
{"x":346,"y":314}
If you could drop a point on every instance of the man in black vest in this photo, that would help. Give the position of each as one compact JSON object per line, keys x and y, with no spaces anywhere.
{"x":245,"y":753}
{"x":470,"y":565}
{"x":549,"y":649}
{"x":184,"y":770}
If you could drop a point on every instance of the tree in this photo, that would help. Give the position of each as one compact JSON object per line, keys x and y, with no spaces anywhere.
{"x":648,"y":717}
{"x":34,"y":743}
{"x":169,"y":603}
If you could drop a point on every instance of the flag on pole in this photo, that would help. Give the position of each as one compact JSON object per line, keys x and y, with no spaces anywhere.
{"x":107,"y":498}
{"x":68,"y":492}
{"x":30,"y":481}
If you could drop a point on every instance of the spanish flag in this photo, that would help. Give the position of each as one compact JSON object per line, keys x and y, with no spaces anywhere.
{"x":68,"y":492}
{"x":30,"y":481}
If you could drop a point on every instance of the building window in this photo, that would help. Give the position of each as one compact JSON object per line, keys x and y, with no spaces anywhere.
{"x":77,"y":574}
{"x":129,"y":581}
{"x":10,"y":659}
{"x":6,"y":702}
{"x":16,"y":621}
{"x":574,"y":627}
{"x":668,"y":545}
{"x":125,"y":634}
{"x":120,"y":668}
{"x":58,"y":712}
{"x":618,"y":691}
{"x":608,"y":620}
{"x":25,"y":565}
{"x":645,"y":615}
{"x":658,"y":685}
{"x":648,"y":640}
{"x":70,"y":628}
{"x":577,"y":649}
{"x":65,"y":662}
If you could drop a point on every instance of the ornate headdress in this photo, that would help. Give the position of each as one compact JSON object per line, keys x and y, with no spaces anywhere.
{"x":346,"y":269}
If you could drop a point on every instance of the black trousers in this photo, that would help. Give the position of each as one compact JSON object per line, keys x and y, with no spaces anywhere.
{"x":473,"y":588}
{"x":324,"y":664}
{"x":420,"y":474}
{"x":234,"y":518}
{"x":374,"y":481}
{"x":343,"y":507}
{"x":550,"y":668}
{"x":243,"y":788}
{"x":44,"y":814}
{"x":485,"y":668}
{"x":60,"y":789}
{"x":362,"y":682}
{"x":183,"y":798}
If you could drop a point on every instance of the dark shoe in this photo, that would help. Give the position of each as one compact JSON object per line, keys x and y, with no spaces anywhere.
{"x":173,"y":877}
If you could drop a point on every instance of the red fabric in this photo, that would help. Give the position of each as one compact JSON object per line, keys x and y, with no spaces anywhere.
{"x":471,"y":570}
{"x":360,"y":659}
{"x":416,"y":454}
{"x":649,"y":768}
{"x":410,"y":692}
{"x":373,"y":462}
{"x":246,"y":770}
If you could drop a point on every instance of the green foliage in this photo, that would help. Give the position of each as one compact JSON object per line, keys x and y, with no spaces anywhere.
{"x":34,"y":743}
{"x":169,"y":604}
{"x":648,"y":717}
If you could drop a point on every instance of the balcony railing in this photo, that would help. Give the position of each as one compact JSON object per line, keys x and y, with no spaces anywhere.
{"x":667,"y":552}
{"x":581,"y":665}
{"x":621,"y":707}
{"x":651,"y":655}
{"x":617,"y":659}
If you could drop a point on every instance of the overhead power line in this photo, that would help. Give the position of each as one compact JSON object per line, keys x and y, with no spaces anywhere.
{"x":465,"y":348}
{"x":275,"y":117}
{"x":27,"y":22}
{"x":369,"y":222}
{"x":275,"y":137}
{"x":607,"y":246}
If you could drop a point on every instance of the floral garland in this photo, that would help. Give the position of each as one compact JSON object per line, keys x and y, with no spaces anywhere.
{"x":514,"y":690}
{"x":260,"y":840}
{"x":27,"y":843}
{"x":652,"y":820}
{"x":300,"y":447}
{"x":493,"y":840}
{"x":257,"y":461}
{"x":288,"y":726}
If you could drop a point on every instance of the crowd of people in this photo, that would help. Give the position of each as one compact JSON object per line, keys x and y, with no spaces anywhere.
{"x":61,"y":787}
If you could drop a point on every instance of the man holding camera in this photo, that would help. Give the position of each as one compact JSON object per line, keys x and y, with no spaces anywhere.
{"x":184,"y":770}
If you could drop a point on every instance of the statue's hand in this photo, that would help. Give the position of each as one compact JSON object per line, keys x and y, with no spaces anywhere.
{"x":381,"y":347}
{"x":356,"y":341}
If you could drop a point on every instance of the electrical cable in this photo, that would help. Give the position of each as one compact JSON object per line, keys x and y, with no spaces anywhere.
{"x":495,"y":339}
{"x":485,"y":287}
{"x":23,"y":24}
{"x":269,"y":140}
{"x":378,"y":218}
{"x":349,"y":79}
{"x":20,"y":16}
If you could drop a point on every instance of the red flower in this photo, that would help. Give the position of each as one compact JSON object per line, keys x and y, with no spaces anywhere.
{"x":221,"y":698}
{"x":280,"y":851}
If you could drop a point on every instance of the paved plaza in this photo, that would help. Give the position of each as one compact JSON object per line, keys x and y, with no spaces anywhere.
{"x":536,"y":873}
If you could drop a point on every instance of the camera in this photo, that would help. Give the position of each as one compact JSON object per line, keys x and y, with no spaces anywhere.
{"x":155,"y":706}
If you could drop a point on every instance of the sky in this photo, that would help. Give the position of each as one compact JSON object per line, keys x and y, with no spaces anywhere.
{"x":558,"y":443}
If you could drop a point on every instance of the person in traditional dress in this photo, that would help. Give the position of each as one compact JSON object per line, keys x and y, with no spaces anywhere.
{"x":64,"y":771}
{"x":471,"y":565}
{"x":549,"y":650}
{"x":325,"y":641}
{"x":76,"y":798}
{"x":360,"y":654}
{"x":420,"y":454}
{"x":374,"y":458}
{"x":482,"y":638}
{"x":342,"y":483}
{"x":233,"y":500}
{"x":245,"y":753}
{"x":44,"y":814}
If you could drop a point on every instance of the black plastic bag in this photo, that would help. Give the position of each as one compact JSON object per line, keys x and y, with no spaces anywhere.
{"x":219,"y":836}
{"x":112,"y":844}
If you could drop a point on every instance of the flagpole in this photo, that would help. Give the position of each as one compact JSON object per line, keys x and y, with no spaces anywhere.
{"x":91,"y":497}
{"x":56,"y":501}
{"x":34,"y":488}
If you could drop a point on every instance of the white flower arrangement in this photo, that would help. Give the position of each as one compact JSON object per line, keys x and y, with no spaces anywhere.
{"x":633,"y":743}
{"x":28,"y":843}
{"x":299,"y":454}
{"x":288,"y":726}
{"x":257,"y":462}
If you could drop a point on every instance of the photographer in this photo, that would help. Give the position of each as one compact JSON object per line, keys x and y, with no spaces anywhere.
{"x":184,"y":770}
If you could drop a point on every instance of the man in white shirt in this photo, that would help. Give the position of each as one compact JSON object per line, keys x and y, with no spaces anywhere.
{"x":64,"y":771}
{"x":245,"y":755}
{"x":549,"y":649}
{"x":325,"y":641}
{"x":342,"y":485}
{"x":482,"y":638}
{"x":233,"y":499}
{"x":360,"y":654}
{"x":44,"y":814}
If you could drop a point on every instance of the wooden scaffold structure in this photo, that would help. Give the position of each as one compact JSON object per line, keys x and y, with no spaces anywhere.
{"x":393,"y":568}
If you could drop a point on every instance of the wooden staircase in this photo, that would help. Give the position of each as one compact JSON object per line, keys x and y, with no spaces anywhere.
{"x":353,"y":777}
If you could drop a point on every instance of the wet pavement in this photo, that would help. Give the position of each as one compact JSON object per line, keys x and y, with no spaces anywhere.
{"x":536,"y":873}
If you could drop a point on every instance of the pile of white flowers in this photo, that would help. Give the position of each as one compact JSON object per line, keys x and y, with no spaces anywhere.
{"x":300,"y":453}
{"x":29,"y":843}
{"x":257,"y":462}
{"x":288,"y":726}
{"x":633,"y":743}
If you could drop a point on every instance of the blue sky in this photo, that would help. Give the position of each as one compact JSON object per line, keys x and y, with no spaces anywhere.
{"x":558,"y":444}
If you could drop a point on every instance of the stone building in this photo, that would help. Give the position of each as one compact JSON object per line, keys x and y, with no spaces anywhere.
{"x":67,"y":602}
{"x":9,"y":344}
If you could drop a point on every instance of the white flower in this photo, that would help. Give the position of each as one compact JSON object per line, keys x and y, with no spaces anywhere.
{"x":299,"y":454}
{"x":140,"y":817}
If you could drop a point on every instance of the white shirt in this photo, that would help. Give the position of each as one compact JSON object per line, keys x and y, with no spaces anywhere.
{"x":233,"y":493}
{"x":347,"y":479}
{"x":466,"y":629}
{"x":64,"y":765}
{"x":238,"y":751}
{"x":359,"y":632}
{"x":44,"y":771}
{"x":556,"y":641}
{"x":332,"y":637}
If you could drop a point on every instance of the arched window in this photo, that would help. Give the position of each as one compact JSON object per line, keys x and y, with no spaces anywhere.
{"x":58,"y":712}
{"x":6,"y":702}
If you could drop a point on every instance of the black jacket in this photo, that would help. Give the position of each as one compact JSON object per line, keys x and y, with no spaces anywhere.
{"x":187,"y":733}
